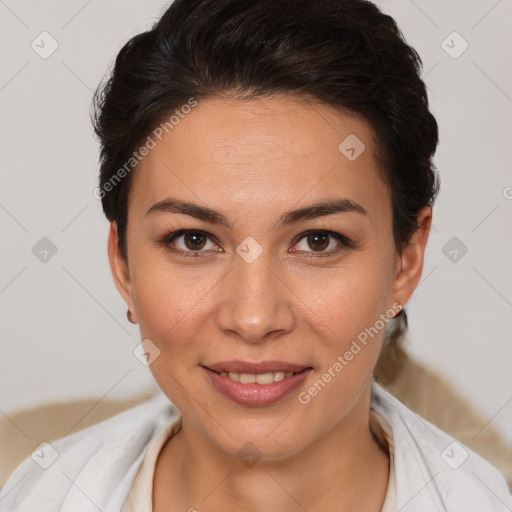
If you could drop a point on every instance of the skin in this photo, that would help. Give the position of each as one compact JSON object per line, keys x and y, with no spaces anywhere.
{"x":253,"y":161}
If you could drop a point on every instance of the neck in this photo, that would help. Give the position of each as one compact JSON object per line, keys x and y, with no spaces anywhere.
{"x":346,"y":469}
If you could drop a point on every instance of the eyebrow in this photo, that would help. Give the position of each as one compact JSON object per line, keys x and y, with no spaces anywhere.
{"x":313,"y":211}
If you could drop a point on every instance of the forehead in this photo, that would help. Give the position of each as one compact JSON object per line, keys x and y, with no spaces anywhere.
{"x":259,"y":155}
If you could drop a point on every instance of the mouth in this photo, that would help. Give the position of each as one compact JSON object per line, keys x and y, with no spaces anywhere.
{"x":256,"y":384}
{"x":262,"y":373}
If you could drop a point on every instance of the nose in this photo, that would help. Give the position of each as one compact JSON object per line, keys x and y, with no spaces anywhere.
{"x":256,"y":302}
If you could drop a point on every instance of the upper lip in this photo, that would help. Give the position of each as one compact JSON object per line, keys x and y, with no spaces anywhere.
{"x":238,"y":366}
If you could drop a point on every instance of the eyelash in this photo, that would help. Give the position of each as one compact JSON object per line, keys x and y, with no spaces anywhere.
{"x":168,"y":238}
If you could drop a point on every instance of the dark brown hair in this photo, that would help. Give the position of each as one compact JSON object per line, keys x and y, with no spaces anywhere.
{"x":343,"y":53}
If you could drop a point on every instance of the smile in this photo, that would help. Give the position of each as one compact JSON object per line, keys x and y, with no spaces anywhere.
{"x":266,"y":384}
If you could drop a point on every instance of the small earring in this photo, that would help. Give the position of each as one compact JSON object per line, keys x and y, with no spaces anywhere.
{"x":129,"y":316}
{"x":396,"y":314}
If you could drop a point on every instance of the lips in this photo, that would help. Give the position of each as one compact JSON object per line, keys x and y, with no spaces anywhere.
{"x":256,"y":384}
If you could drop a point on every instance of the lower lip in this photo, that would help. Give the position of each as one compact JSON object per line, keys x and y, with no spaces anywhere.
{"x":257,"y":394}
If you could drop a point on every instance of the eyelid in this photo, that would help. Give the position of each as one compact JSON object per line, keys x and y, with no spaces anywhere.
{"x":169,"y":237}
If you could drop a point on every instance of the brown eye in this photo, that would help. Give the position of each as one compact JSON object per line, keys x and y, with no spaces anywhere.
{"x":318,"y":241}
{"x":187,"y":243}
{"x":194,"y":241}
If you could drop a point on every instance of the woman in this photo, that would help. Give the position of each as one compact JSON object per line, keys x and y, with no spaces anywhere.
{"x":266,"y":167}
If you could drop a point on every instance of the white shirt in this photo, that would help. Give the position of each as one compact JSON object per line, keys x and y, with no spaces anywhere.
{"x":96,"y":467}
{"x":140,"y":496}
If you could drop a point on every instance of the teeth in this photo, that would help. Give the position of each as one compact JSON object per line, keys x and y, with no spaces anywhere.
{"x":265,"y":378}
{"x":259,"y":378}
{"x":247,"y":378}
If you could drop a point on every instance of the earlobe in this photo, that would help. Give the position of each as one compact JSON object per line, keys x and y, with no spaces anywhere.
{"x":410,"y":265}
{"x":119,"y":267}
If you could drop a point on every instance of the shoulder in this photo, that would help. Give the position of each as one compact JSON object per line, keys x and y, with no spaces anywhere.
{"x":433,"y":470}
{"x":90,"y":469}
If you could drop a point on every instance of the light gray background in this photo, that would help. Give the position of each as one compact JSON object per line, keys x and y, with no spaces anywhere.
{"x":64,"y":331}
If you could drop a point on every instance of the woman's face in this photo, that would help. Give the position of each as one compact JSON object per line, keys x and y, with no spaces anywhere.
{"x":269,"y":284}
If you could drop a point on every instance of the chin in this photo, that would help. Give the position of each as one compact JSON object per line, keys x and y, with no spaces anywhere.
{"x":257,"y":440}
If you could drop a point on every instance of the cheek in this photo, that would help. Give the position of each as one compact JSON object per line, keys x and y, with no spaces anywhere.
{"x":168,"y":305}
{"x":346,"y":300}
{"x":355,"y":303}
{"x":165,"y":293}
{"x":164,"y":300}
{"x":348,"y":351}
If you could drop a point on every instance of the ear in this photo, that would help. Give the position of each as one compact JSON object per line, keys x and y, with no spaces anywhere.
{"x":119,"y":268}
{"x":409,"y":265}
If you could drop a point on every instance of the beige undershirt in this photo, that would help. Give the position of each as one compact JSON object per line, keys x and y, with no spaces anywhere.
{"x":139,"y":498}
